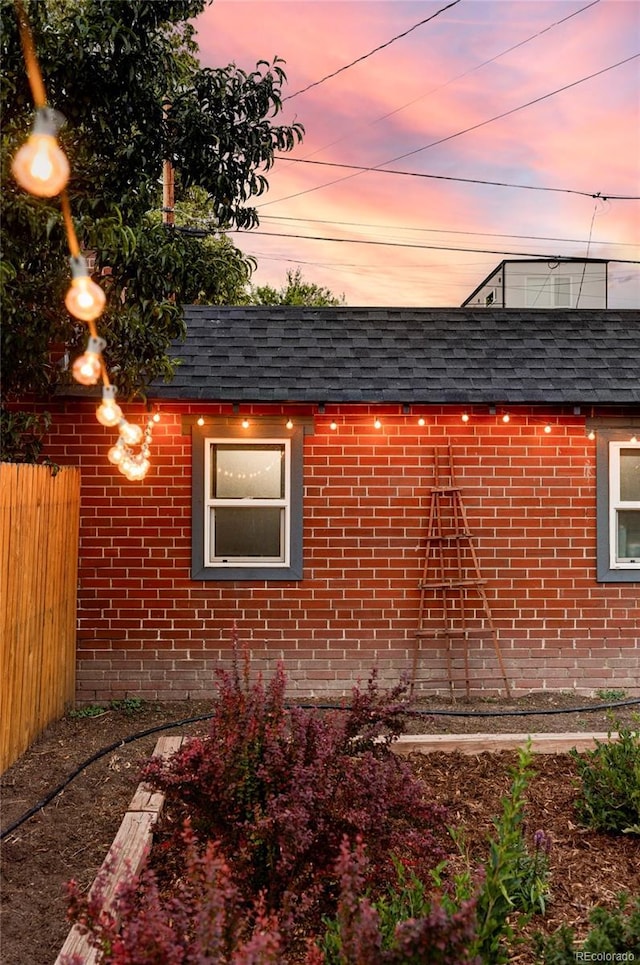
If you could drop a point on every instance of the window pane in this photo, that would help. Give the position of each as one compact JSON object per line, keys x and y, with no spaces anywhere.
{"x":247,"y":532}
{"x":562,"y":290}
{"x":248,"y":472}
{"x":630,"y":475}
{"x":629,"y":534}
{"x":537,"y":292}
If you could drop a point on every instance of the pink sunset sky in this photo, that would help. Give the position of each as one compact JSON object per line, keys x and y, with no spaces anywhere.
{"x":474,"y":61}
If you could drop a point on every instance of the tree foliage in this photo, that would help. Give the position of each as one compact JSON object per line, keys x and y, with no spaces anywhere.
{"x":297,"y":291}
{"x":125,"y":75}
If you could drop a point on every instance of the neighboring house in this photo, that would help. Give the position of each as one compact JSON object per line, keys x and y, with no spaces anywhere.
{"x":541,"y":283}
{"x":290,"y":487}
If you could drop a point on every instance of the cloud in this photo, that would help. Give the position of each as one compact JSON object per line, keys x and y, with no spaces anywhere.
{"x":426,"y":87}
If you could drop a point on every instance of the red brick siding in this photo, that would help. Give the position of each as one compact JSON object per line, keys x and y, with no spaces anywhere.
{"x":144,"y":627}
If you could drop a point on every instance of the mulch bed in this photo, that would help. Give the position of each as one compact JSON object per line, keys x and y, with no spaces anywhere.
{"x":71,"y":836}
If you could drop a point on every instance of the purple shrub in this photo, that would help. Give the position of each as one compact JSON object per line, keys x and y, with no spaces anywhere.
{"x":280,"y":788}
{"x":203,"y":921}
{"x":441,"y":936}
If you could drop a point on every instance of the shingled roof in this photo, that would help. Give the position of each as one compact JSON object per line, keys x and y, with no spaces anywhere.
{"x":407,"y":355}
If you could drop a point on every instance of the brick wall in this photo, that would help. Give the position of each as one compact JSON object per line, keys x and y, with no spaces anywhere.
{"x":144,"y":627}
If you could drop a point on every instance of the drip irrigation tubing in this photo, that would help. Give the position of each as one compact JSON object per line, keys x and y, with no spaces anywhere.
{"x":194,"y":720}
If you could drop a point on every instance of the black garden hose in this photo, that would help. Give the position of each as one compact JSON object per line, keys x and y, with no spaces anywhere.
{"x":194,"y":720}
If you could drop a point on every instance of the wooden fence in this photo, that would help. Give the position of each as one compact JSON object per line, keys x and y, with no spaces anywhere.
{"x":39,"y":521}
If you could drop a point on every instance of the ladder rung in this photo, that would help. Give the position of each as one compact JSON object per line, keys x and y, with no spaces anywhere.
{"x":449,"y":584}
{"x":454,"y":635}
{"x":445,"y":489}
{"x":455,"y":536}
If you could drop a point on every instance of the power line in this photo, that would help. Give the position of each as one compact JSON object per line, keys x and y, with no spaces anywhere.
{"x":445,"y":177}
{"x":514,"y":110}
{"x":440,"y":231}
{"x":397,"y":244}
{"x":359,"y":60}
{"x":450,"y":137}
{"x":445,"y":231}
{"x":492,"y":60}
{"x":452,"y":80}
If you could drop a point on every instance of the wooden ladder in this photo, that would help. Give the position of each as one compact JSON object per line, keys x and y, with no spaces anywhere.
{"x":451,"y":578}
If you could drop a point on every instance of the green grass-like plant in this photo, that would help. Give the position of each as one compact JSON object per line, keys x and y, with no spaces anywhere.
{"x":614,"y":933}
{"x":609,"y":798}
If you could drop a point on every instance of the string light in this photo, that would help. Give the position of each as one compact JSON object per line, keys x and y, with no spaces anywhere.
{"x":84,"y":300}
{"x":200,"y":421}
{"x":547,"y":428}
{"x":117,"y":452}
{"x":465,"y":416}
{"x":333,"y":426}
{"x":377,"y":424}
{"x":591,"y":435}
{"x":289,"y":424}
{"x":41,"y":166}
{"x":633,"y":440}
{"x":506,"y":417}
{"x":245,"y":423}
{"x":88,"y":366}
{"x":421,"y":421}
{"x":134,"y":466}
{"x":130,"y":434}
{"x":109,"y":412}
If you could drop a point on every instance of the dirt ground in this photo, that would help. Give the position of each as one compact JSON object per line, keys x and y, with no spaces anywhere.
{"x":71,"y":835}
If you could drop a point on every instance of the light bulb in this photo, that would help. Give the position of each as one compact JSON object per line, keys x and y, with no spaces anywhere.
{"x":84,"y":300}
{"x":421,"y":421}
{"x":156,"y":417}
{"x":547,"y":428}
{"x":633,"y":440}
{"x":126,"y":466}
{"x":506,"y":417}
{"x":333,"y":426}
{"x":591,"y":435}
{"x":135,"y":468}
{"x":377,"y":424}
{"x":245,"y":423}
{"x":88,"y":366}
{"x":129,"y":433}
{"x":465,"y":416}
{"x":200,"y":421}
{"x":117,"y":453}
{"x":109,"y":412}
{"x":289,"y":424}
{"x":41,"y":166}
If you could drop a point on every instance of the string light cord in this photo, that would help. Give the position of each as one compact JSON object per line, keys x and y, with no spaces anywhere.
{"x":42,"y":169}
{"x":320,"y":707}
{"x":34,"y":74}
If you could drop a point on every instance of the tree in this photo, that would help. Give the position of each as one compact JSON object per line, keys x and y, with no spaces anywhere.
{"x":124,"y":73}
{"x":297,"y":291}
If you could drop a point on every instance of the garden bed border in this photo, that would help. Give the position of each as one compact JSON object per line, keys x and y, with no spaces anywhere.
{"x":132,"y":843}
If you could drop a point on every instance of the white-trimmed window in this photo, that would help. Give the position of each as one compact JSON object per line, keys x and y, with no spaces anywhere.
{"x":248,"y":506}
{"x":247,"y":502}
{"x":618,"y":503}
{"x":548,"y":291}
{"x":624,"y":505}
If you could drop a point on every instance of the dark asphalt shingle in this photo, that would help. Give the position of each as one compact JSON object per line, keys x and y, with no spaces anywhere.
{"x":343,"y":354}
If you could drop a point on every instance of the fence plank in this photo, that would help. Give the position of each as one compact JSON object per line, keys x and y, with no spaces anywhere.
{"x":39,"y":524}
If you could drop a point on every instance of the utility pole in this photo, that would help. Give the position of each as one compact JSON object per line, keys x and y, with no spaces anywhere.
{"x":168,"y":195}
